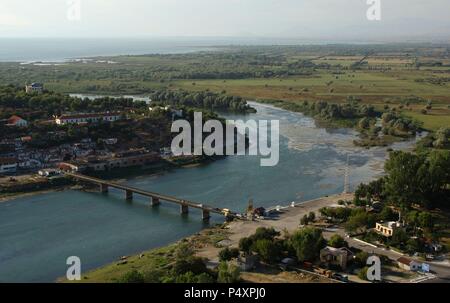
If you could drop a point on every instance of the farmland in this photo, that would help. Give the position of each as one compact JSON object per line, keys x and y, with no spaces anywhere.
{"x":411,"y":79}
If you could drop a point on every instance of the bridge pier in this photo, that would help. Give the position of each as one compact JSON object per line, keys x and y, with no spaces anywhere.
{"x":184,"y":209}
{"x":104,"y":188}
{"x":155,"y":201}
{"x":205,"y":215}
{"x":129,"y":195}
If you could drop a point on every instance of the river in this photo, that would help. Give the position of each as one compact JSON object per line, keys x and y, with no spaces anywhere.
{"x":38,"y":233}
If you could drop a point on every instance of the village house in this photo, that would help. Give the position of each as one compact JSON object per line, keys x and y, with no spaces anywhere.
{"x":49,"y":172}
{"x":73,"y":166}
{"x":387,"y":229}
{"x":336,"y":256}
{"x":8,"y":165}
{"x":88,"y":118}
{"x":34,"y":88}
{"x":132,"y":158}
{"x":408,"y":264}
{"x":17,"y":121}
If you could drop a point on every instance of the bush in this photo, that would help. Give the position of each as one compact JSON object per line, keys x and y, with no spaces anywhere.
{"x":190,"y":277}
{"x":307,"y":243}
{"x":245,"y":245}
{"x":132,"y":277}
{"x":361,"y":259}
{"x":269,"y":251}
{"x":227,"y":254}
{"x":153,"y":276}
{"x":362,"y":274}
{"x":337,"y":241}
{"x":263,"y":233}
{"x":228,"y":273}
{"x":195,"y":265}
{"x":304,"y":220}
{"x":184,"y":251}
{"x":311,"y":217}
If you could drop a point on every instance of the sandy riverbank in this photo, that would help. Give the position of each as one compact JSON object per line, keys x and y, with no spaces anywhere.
{"x":288,"y":219}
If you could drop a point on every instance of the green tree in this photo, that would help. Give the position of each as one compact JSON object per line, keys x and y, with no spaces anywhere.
{"x":337,"y":241}
{"x":245,"y":245}
{"x":193,"y":264}
{"x":312,"y":216}
{"x":425,"y":220}
{"x":399,"y":237}
{"x":269,"y":251}
{"x":304,"y":220}
{"x":361,"y":258}
{"x":228,"y":273}
{"x":403,"y":179}
{"x":265,"y":233}
{"x":227,"y":254}
{"x":307,"y":243}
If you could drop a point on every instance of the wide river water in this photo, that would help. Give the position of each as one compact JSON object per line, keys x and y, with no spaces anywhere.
{"x":38,"y":233}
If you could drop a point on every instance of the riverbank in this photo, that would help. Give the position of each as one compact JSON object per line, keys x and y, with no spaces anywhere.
{"x":287,"y":219}
{"x":368,"y":136}
{"x":37,"y":185}
{"x":208,"y":242}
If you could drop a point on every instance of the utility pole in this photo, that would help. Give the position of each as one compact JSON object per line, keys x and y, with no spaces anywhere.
{"x":346,"y":176}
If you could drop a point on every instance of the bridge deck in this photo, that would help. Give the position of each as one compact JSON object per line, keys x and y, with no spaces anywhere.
{"x":149,"y":194}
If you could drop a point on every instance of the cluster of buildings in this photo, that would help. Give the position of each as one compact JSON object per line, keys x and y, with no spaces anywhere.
{"x":88,"y":118}
{"x":27,"y":159}
{"x":130,"y":158}
{"x":15,"y":154}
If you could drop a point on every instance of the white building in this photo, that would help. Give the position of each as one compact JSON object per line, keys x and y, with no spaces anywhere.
{"x":8,"y":165}
{"x":34,"y":88}
{"x":408,"y":264}
{"x":88,"y":118}
{"x":387,"y":229}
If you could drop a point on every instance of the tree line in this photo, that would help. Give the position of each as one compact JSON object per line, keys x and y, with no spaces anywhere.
{"x":202,"y":99}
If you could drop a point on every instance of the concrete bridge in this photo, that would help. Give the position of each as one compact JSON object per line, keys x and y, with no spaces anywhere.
{"x":155,"y":198}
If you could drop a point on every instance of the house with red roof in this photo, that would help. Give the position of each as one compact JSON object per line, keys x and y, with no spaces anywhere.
{"x":17,"y":121}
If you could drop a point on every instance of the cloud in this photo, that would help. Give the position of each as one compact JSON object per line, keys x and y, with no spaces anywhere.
{"x":9,"y":19}
{"x":269,"y":18}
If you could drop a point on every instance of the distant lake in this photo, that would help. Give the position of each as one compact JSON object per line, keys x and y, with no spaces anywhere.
{"x":62,"y":49}
{"x":58,"y":50}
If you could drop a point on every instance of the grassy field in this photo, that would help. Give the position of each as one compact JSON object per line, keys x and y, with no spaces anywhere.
{"x":389,"y":75}
{"x":146,"y":261}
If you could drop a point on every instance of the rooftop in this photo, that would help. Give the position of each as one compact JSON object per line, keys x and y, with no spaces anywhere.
{"x":90,"y":115}
{"x":36,"y":85}
{"x":338,"y":251}
{"x":14,"y":119}
{"x":8,"y":161}
{"x":404,"y":260}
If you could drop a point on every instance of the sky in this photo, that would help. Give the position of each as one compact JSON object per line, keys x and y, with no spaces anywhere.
{"x":305,"y":19}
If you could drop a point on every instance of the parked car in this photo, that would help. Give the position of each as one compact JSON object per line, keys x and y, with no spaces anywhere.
{"x":343,"y":278}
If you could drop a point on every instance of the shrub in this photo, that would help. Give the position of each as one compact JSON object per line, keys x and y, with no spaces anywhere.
{"x":227,"y":254}
{"x":132,"y":277}
{"x":228,"y":273}
{"x":268,"y":251}
{"x":337,"y":241}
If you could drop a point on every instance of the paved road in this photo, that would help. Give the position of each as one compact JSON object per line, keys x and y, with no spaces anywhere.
{"x":440,"y":270}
